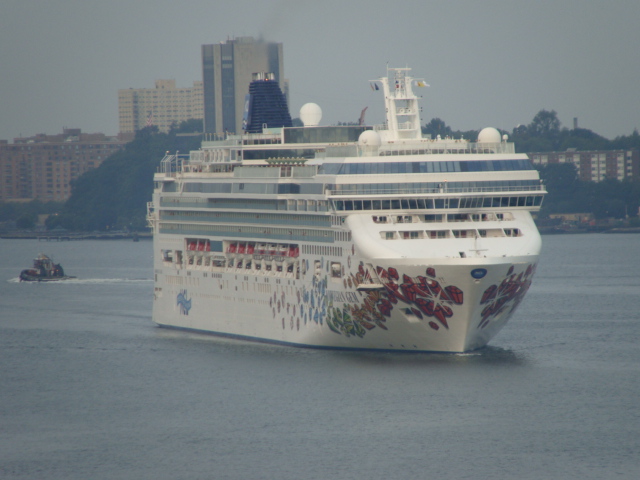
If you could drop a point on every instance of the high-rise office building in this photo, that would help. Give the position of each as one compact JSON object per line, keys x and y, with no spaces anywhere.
{"x":162,"y":106}
{"x":227,"y":70}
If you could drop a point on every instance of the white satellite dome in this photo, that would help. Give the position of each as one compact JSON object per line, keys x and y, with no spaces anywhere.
{"x":489,"y":135}
{"x":310,"y":114}
{"x":369,"y":138}
{"x":369,"y":143}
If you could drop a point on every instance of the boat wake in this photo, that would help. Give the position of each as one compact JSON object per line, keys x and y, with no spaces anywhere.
{"x":89,"y":281}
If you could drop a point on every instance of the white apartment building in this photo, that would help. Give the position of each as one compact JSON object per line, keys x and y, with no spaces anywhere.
{"x":162,"y":106}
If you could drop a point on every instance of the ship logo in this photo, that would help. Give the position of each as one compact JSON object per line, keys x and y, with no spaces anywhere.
{"x":478,"y":273}
{"x":184,"y":302}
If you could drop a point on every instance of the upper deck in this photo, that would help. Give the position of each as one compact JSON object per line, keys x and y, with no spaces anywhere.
{"x":353,"y":165}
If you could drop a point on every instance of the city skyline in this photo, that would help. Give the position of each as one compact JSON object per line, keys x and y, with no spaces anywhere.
{"x":492,"y":63}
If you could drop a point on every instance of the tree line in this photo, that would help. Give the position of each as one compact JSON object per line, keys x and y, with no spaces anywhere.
{"x":545,"y":133}
{"x":114,"y":195}
{"x":609,"y":198}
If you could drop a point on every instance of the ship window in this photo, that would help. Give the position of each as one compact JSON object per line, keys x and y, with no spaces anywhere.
{"x":457,"y":217}
{"x":463,"y":233}
{"x":438,"y":233}
{"x":412,"y":235}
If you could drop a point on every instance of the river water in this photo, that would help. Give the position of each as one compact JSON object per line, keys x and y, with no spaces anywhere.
{"x":91,"y":389}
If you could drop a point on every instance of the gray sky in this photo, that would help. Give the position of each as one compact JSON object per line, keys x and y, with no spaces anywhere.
{"x":489,"y":62}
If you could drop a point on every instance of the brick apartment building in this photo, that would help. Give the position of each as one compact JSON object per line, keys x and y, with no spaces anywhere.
{"x":595,"y":165}
{"x":42,"y":167}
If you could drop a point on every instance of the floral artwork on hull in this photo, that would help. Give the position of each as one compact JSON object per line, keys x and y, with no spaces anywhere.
{"x":507,"y":295}
{"x":424,"y":296}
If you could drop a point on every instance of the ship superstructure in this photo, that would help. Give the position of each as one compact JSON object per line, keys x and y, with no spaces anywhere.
{"x":347,"y":236}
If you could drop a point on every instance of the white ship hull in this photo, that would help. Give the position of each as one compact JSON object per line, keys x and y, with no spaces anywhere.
{"x":444,"y":304}
{"x":230,"y":306}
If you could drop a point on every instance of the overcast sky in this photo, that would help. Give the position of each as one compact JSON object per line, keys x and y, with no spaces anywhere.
{"x":489,"y":62}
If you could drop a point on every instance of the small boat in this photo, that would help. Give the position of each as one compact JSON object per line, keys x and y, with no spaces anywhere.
{"x":43,"y":270}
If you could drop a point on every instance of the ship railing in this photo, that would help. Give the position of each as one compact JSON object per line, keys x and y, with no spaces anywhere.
{"x":206,"y":156}
{"x":151,"y":217}
{"x":214,"y":137}
{"x":172,"y":164}
{"x":440,"y":147}
{"x":269,"y":138}
{"x":438,"y":190}
{"x":284,"y":171}
{"x":430,"y":146}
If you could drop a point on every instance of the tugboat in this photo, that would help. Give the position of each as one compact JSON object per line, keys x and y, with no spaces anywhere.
{"x":43,"y":270}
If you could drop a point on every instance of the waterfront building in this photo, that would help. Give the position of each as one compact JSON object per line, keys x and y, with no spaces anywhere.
{"x":42,"y":167}
{"x":595,"y":165}
{"x":227,"y":70}
{"x":162,"y":106}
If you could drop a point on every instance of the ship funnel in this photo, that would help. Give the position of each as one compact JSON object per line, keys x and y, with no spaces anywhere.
{"x":265,"y":105}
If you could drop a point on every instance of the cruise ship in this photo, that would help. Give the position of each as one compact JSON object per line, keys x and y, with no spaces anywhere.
{"x":346,"y":237}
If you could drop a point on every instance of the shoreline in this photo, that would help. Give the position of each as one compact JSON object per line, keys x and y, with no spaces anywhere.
{"x":577,"y":231}
{"x":74,"y":236}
